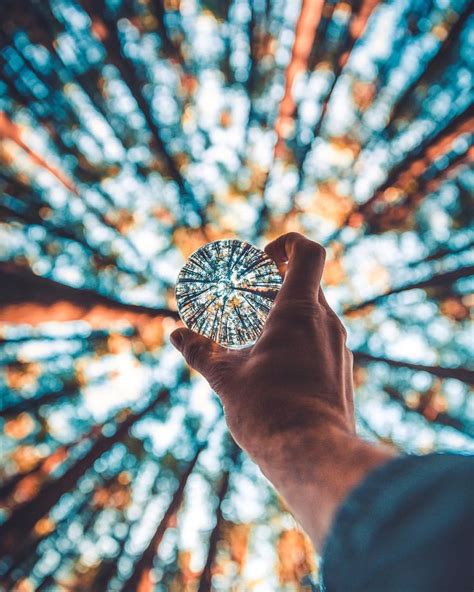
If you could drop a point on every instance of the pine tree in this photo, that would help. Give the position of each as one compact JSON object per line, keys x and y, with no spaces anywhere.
{"x":131,"y":133}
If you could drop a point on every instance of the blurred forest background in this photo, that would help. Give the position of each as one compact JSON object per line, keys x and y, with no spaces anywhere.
{"x":134,"y":131}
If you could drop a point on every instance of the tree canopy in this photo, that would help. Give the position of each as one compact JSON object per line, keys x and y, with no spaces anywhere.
{"x":131,"y":133}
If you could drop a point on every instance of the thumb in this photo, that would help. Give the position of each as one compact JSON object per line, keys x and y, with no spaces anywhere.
{"x":198,"y":351}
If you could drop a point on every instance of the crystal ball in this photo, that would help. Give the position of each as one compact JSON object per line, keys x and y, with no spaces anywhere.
{"x":226,"y":290}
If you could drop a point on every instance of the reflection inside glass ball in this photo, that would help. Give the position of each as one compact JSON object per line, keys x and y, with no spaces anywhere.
{"x":225,"y":291}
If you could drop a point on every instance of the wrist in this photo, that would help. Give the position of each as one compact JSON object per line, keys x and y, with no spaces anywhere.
{"x":318,"y":468}
{"x":280,"y":416}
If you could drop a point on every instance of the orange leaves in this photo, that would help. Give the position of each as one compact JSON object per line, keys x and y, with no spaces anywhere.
{"x":347,"y":146}
{"x":281,"y":224}
{"x":27,"y":488}
{"x":363,"y":94}
{"x":99,"y":29}
{"x":329,"y":204}
{"x":359,"y":376}
{"x":121,"y":219}
{"x":295,"y":557}
{"x":54,"y":459}
{"x":24,"y":375}
{"x":430,"y":403}
{"x":152,"y":334}
{"x":172,"y":5}
{"x":188,"y":240}
{"x":29,"y":485}
{"x":189,"y":84}
{"x":13,"y":132}
{"x":163,"y":215}
{"x":118,"y":344}
{"x":44,"y":526}
{"x":225,"y":119}
{"x":20,"y":427}
{"x":306,"y":27}
{"x":187,"y":575}
{"x":115,"y":495}
{"x":236,"y":538}
{"x":146,"y":583}
{"x":25,"y":457}
{"x":24,"y":585}
{"x":456,"y":308}
{"x":334,"y":272}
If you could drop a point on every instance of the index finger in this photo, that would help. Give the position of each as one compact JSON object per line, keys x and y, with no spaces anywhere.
{"x":305,"y":265}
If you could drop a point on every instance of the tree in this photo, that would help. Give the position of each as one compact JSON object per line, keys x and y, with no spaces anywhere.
{"x":131,"y":133}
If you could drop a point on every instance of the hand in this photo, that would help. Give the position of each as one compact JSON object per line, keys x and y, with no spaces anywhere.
{"x":288,"y":399}
{"x":299,"y":371}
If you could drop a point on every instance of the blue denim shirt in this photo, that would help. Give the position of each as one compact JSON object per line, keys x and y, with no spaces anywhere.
{"x":408,"y":527}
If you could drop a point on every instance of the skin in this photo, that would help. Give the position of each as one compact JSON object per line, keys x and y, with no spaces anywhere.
{"x":288,"y":400}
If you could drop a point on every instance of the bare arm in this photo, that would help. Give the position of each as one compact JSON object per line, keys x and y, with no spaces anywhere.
{"x":288,"y":399}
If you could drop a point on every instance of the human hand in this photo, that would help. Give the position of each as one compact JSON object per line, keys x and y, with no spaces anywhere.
{"x":288,"y":398}
{"x":299,"y":372}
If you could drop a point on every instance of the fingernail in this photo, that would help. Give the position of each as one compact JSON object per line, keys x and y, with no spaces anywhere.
{"x":176,"y":339}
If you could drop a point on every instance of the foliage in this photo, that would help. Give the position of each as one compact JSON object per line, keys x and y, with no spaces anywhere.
{"x":134,"y":131}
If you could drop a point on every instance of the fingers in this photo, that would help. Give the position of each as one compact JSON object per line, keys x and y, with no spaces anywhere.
{"x":305,"y":264}
{"x":198,"y":351}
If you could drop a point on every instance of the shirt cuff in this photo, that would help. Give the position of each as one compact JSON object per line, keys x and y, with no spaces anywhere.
{"x":392,"y":530}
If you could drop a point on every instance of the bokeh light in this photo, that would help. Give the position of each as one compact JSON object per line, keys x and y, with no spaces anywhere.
{"x":132,"y":133}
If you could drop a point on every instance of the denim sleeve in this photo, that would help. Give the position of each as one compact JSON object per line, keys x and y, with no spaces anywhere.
{"x":408,"y":527}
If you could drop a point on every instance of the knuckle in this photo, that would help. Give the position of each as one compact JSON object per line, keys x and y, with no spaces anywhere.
{"x":294,"y":236}
{"x":309,"y":248}
{"x":316,"y":250}
{"x":298,"y":313}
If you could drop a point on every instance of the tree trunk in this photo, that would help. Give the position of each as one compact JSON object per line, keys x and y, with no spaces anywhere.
{"x":31,"y":299}
{"x":433,"y":67}
{"x":108,"y":569}
{"x":26,"y":548}
{"x":414,"y":164}
{"x":305,"y":35}
{"x":10,"y":130}
{"x":442,"y":418}
{"x":205,"y":581}
{"x":47,"y":464}
{"x":357,"y":25}
{"x":442,"y":252}
{"x":32,"y":405}
{"x":111,"y":41}
{"x":463,"y":374}
{"x":393,"y":216}
{"x":425,"y":153}
{"x":26,"y":515}
{"x":139,"y":580}
{"x":172,"y":50}
{"x":442,"y":279}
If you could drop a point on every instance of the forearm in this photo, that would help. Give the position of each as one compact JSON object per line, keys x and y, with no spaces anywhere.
{"x":315,"y":468}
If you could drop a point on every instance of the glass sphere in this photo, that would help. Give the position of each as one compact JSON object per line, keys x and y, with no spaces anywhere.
{"x":225,"y":291}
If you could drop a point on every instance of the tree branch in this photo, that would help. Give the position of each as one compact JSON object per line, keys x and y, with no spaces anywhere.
{"x":442,"y":279}
{"x":463,"y":374}
{"x":28,"y":298}
{"x":25,"y":515}
{"x":140,"y":576}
